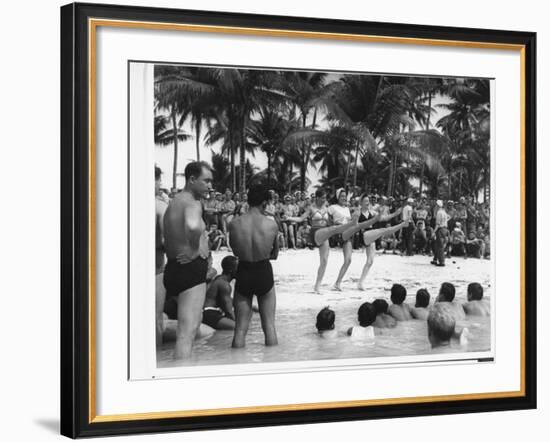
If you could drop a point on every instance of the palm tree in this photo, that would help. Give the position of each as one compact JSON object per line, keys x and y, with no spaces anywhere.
{"x":168,"y":95}
{"x":466,"y":126}
{"x":267,"y":132}
{"x":307,"y":93}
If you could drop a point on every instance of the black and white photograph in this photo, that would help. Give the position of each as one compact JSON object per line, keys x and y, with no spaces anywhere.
{"x":310,"y":216}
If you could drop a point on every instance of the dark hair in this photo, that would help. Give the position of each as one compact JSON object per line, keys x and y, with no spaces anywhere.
{"x":380,"y":305}
{"x":325,"y":319}
{"x":229,"y":264}
{"x":398,"y":294}
{"x":448,"y":291}
{"x":257,"y":195}
{"x":366,"y":314}
{"x":475,"y":291}
{"x":158,"y":173}
{"x":194,"y":169}
{"x":441,"y":322}
{"x":422,"y":298}
{"x":319,"y":193}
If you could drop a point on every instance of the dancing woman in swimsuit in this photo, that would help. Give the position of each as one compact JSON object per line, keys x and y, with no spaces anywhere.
{"x":367,"y":218}
{"x":321,"y":231}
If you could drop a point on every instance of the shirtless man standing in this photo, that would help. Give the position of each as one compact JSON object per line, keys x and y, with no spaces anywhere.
{"x":186,"y":246}
{"x":253,"y":238}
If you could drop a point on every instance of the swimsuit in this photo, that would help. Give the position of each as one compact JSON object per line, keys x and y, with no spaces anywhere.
{"x":212,"y":315}
{"x":180,"y":277}
{"x":254,"y":278}
{"x":318,"y":215}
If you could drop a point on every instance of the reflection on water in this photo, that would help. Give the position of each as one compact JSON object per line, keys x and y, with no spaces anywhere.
{"x":298,"y":341}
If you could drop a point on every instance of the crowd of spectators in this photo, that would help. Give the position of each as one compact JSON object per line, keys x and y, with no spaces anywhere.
{"x":468,"y":222}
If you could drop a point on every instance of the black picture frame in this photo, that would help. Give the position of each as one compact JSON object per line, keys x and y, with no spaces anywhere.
{"x":76,"y":418}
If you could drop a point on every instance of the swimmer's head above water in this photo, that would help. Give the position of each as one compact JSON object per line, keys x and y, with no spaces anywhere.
{"x":422,"y":298}
{"x":446,"y":292}
{"x":380,"y":305}
{"x":441,"y":325}
{"x":325,"y":320}
{"x":475,"y":291}
{"x":366,"y":314}
{"x":398,"y":294}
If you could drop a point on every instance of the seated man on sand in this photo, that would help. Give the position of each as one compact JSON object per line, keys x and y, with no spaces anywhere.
{"x":447,"y":295}
{"x":420,"y":309}
{"x":218,"y":308}
{"x":400,"y":310}
{"x":325,"y":323}
{"x":476,"y":306}
{"x":366,"y":315}
{"x":383,"y":320}
{"x":442,"y":327}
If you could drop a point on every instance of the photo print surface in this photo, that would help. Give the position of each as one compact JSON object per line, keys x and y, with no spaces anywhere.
{"x":319,"y":217}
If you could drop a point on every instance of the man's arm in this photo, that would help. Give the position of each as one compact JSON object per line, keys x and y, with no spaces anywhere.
{"x":225,"y":301}
{"x":275,"y":250}
{"x":194,"y":230}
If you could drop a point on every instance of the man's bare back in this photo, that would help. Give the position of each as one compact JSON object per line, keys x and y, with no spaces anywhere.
{"x":253,"y":237}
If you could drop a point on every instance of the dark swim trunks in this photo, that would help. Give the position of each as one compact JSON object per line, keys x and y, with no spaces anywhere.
{"x":180,"y":277}
{"x":254,"y":278}
{"x":211,"y":316}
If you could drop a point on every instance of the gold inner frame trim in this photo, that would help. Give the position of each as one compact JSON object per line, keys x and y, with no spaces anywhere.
{"x":92,"y":27}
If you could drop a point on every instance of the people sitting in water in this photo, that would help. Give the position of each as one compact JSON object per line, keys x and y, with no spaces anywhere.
{"x":218,"y":304}
{"x":366,"y":315}
{"x":216,"y":237}
{"x":383,"y":320}
{"x":325,"y":323}
{"x":420,"y":310}
{"x":400,"y":310}
{"x":442,"y":328}
{"x":447,"y":295}
{"x":476,"y":306}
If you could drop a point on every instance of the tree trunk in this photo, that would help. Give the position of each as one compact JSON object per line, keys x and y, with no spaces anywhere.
{"x":242,"y":160}
{"x":175,"y":129}
{"x":269,"y":169}
{"x":303,"y":165}
{"x":232,"y":154}
{"x":390,"y":177}
{"x":355,"y":166}
{"x":198,"y":133}
{"x":290,"y":177}
{"x":421,"y":184}
{"x":421,"y":179}
{"x":485,"y":185}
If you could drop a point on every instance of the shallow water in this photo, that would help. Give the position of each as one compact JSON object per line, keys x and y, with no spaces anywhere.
{"x":298,"y":341}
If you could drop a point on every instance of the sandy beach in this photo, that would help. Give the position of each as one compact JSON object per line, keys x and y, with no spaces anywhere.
{"x":295,"y":272}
